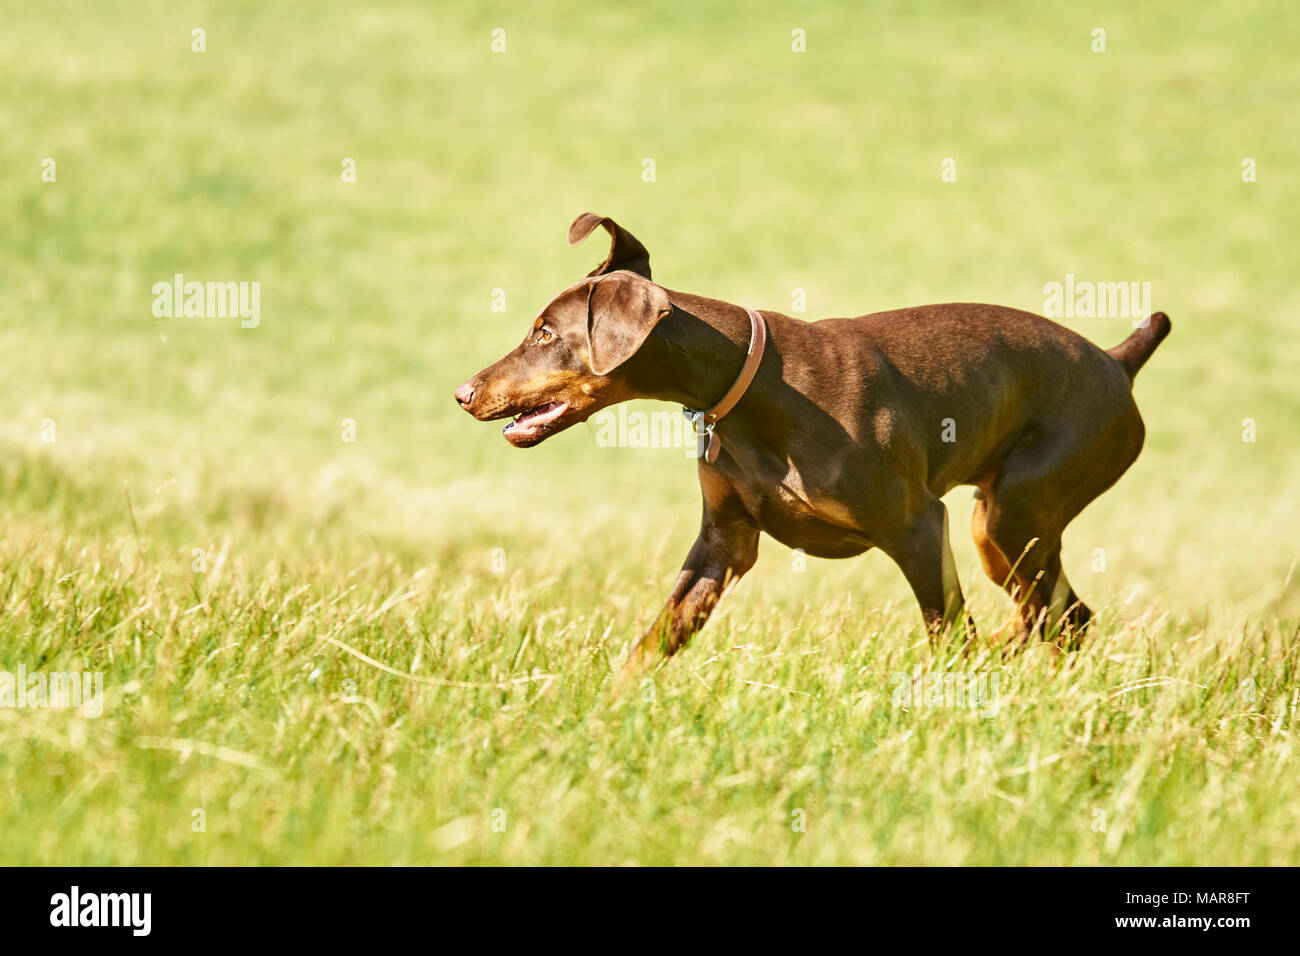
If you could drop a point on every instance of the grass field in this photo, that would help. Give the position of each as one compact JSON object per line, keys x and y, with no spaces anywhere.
{"x":398,"y":648}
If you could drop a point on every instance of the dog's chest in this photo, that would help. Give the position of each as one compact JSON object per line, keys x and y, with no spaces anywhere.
{"x":805,"y":516}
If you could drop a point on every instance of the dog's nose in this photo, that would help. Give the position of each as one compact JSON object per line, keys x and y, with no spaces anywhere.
{"x":465,"y":395}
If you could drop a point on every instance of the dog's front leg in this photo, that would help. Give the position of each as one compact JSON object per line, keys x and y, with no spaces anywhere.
{"x":726,"y":548}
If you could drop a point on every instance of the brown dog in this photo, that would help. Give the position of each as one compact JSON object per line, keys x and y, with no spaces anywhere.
{"x":849,"y":433}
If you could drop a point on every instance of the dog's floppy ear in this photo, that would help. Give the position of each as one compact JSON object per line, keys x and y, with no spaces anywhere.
{"x":621,"y":310}
{"x":625,"y":252}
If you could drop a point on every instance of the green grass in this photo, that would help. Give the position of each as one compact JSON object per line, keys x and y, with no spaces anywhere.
{"x":251,"y":689}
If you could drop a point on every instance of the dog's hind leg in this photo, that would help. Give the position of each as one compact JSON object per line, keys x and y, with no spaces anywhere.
{"x":1057,"y":467}
{"x":1040,"y":488}
{"x":996,"y":566}
{"x":1021,"y":553}
{"x":1045,"y":600}
{"x":1022,"y":520}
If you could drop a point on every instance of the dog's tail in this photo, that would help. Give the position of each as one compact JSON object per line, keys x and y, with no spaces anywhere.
{"x":1134,"y":351}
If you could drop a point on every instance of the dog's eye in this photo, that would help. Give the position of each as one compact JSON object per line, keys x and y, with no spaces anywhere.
{"x":544,"y":335}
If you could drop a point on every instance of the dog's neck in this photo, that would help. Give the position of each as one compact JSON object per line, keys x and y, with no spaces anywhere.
{"x":689,"y":359}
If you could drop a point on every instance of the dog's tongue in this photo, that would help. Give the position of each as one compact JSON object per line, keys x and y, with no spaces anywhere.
{"x":533,"y":419}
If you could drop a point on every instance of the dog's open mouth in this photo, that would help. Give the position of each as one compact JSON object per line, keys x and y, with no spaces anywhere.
{"x":532,"y":426}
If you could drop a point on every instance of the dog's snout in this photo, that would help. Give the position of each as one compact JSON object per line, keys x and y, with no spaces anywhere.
{"x":465,"y":395}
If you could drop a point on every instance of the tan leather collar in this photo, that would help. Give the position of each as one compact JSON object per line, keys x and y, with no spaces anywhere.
{"x":705,"y":420}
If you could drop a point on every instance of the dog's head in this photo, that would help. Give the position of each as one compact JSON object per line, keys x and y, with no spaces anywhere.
{"x":568,"y":365}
